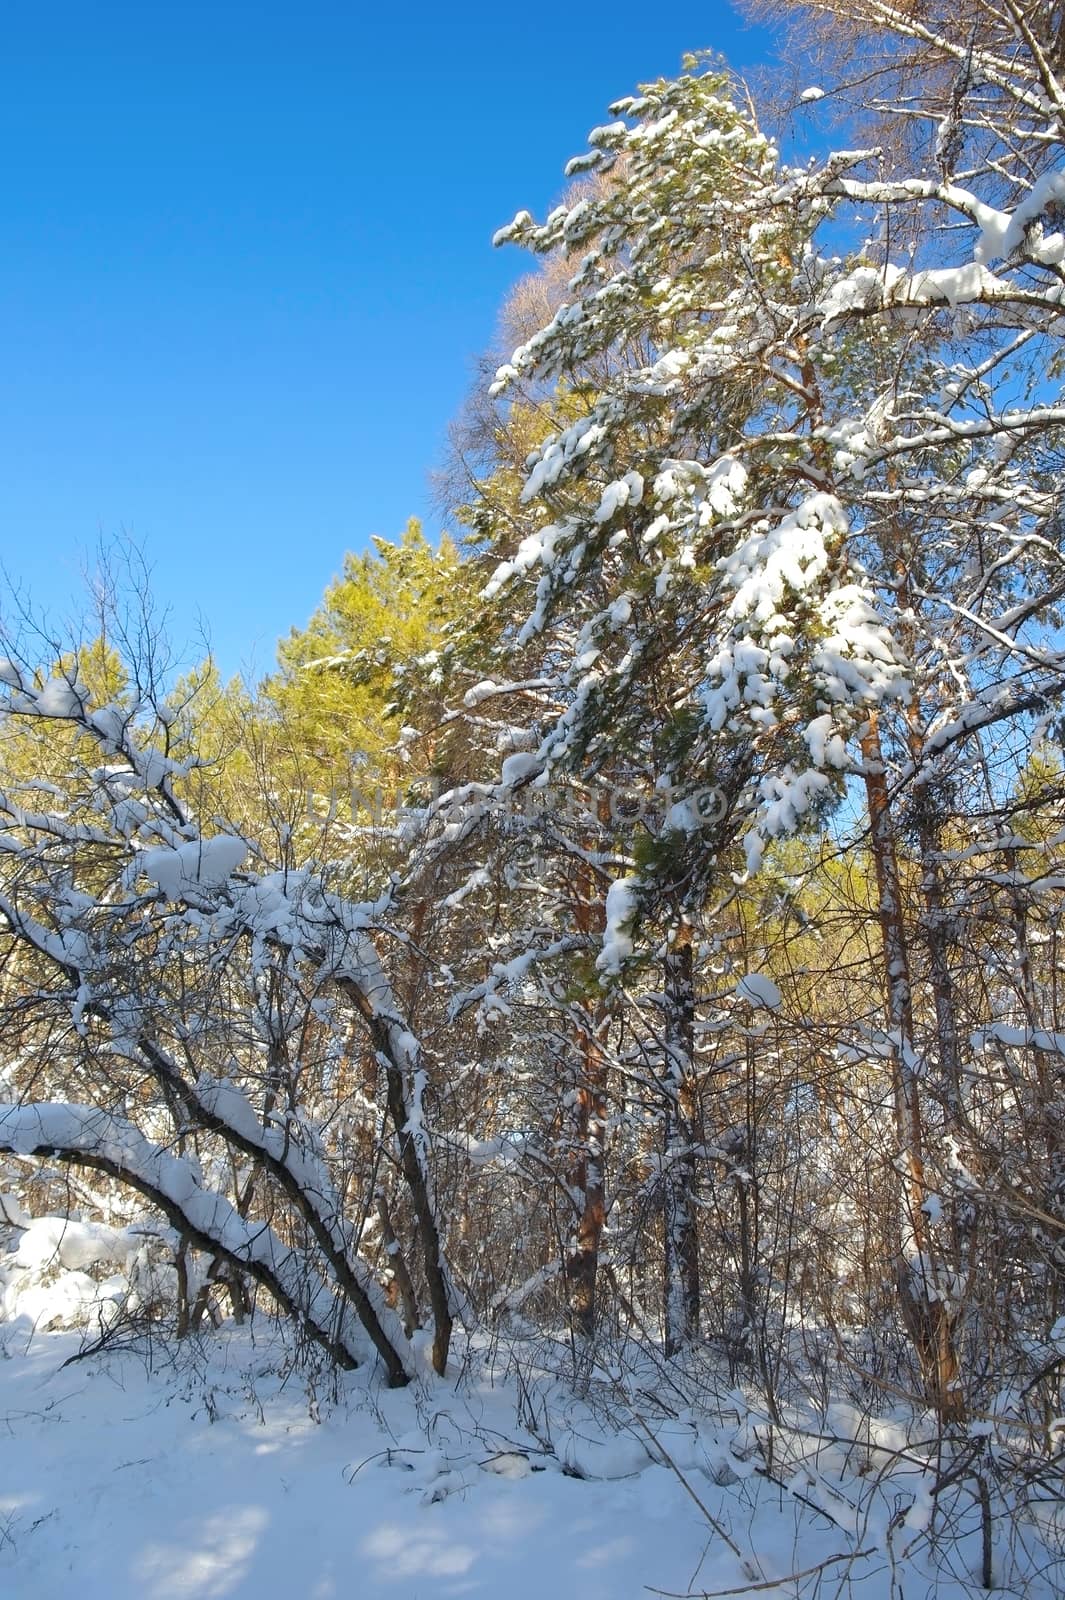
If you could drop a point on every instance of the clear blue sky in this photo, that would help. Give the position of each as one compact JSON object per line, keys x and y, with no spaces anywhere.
{"x":247,"y":267}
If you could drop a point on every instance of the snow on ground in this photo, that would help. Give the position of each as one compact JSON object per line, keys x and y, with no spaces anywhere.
{"x":217,"y":1481}
{"x":226,"y":1473}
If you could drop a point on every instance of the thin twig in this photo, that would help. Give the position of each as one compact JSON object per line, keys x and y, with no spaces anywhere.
{"x":768,"y":1583}
{"x":711,"y":1519}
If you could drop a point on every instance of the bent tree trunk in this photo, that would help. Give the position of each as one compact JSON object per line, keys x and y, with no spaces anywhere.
{"x":86,"y":1137}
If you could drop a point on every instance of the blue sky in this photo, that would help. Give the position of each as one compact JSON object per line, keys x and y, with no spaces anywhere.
{"x":247,"y":268}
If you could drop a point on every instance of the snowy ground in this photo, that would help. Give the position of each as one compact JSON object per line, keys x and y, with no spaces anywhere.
{"x":218,"y":1475}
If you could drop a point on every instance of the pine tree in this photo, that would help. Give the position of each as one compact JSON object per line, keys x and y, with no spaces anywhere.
{"x":693,"y":599}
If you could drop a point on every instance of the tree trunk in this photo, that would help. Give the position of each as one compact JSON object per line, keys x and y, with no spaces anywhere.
{"x":412,"y":1163}
{"x":399,"y":1053}
{"x":586,"y":1178}
{"x":586,"y":1156}
{"x":408,"y":1300}
{"x":919,"y":1276}
{"x":681,"y":1245}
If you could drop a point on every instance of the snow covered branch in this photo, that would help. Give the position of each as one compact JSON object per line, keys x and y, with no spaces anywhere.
{"x":91,"y":1138}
